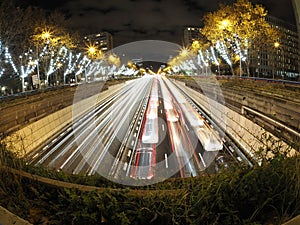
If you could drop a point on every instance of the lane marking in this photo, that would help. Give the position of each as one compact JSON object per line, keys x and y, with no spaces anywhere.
{"x":163,"y":127}
{"x":187,"y":127}
{"x":132,"y":142}
{"x":125,"y":166}
{"x":166,"y":160}
{"x":202,"y":160}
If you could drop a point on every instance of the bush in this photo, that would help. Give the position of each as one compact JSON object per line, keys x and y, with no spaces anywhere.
{"x":267,"y":194}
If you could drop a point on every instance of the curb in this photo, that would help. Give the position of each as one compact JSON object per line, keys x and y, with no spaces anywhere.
{"x":294,"y":221}
{"x":8,"y":218}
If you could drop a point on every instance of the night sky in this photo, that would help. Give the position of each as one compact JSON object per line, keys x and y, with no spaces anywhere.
{"x":132,"y":20}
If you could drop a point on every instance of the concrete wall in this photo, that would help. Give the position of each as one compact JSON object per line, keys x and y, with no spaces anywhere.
{"x":35,"y":134}
{"x":283,"y":110}
{"x":245,"y":132}
{"x":7,"y":218}
{"x":294,"y":221}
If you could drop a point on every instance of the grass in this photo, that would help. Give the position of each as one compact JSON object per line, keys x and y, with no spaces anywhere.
{"x":269,"y":194}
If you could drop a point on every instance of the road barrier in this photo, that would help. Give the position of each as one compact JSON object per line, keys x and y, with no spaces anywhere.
{"x":35,"y":134}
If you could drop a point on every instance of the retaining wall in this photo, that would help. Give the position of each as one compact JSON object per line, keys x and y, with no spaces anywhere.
{"x":242,"y":130}
{"x":35,"y":134}
{"x":7,"y":218}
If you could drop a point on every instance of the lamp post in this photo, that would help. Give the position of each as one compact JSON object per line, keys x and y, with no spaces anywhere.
{"x":44,"y":36}
{"x":224,"y":24}
{"x":276,"y":46}
{"x":238,"y":57}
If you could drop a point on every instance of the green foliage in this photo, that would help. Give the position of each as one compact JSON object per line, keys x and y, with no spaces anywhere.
{"x":267,"y":194}
{"x":272,"y":150}
{"x":242,"y":22}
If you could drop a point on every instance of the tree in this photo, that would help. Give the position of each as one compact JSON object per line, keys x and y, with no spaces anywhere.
{"x":242,"y":28}
{"x":16,"y":25}
{"x":21,"y":31}
{"x":52,"y":43}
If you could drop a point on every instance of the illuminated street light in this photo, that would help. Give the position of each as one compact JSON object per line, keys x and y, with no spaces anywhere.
{"x":224,"y":24}
{"x":59,"y":65}
{"x":45,"y":35}
{"x":31,"y":63}
{"x":92,"y":50}
{"x":276,"y":45}
{"x":184,"y":52}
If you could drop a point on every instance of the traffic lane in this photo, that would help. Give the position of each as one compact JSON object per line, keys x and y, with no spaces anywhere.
{"x":81,"y":135}
{"x":166,"y":165}
{"x":131,"y":108}
{"x":67,"y":136}
{"x":126,"y":153}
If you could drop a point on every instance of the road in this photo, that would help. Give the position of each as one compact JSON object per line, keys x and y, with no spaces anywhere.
{"x":149,"y":131}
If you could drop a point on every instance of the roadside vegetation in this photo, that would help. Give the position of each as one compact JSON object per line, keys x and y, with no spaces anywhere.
{"x":266,"y":194}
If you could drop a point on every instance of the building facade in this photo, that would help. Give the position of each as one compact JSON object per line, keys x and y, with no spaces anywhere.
{"x":280,"y":61}
{"x":103,"y":41}
{"x":191,"y":34}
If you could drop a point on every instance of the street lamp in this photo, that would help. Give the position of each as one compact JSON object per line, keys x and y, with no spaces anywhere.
{"x":276,"y":46}
{"x":184,"y":53}
{"x":45,"y":35}
{"x":224,"y":24}
{"x":92,"y":50}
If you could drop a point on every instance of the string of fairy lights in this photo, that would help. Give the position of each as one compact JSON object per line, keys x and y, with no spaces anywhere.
{"x":50,"y":60}
{"x":221,"y":50}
